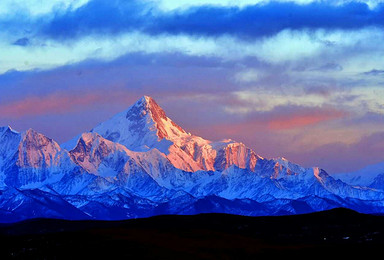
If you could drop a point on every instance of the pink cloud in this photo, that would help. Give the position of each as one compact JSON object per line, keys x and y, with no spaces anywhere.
{"x":301,"y":119}
{"x":56,"y":103}
{"x":61,"y":103}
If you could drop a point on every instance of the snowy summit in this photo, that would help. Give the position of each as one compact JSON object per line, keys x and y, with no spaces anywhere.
{"x":141,"y":163}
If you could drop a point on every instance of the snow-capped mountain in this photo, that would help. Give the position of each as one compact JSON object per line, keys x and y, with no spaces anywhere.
{"x":145,"y":126}
{"x":370,"y":176}
{"x":30,"y":159}
{"x":141,"y":163}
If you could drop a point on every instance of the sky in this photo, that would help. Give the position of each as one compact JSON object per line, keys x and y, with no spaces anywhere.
{"x":302,"y":79}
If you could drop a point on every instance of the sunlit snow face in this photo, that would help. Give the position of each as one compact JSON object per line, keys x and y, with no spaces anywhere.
{"x":281,"y":76}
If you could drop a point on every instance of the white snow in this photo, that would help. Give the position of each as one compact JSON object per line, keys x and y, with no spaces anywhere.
{"x":140,"y":153}
{"x":362,"y":177}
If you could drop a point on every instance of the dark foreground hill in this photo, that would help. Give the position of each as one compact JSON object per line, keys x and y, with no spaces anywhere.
{"x":206,"y":236}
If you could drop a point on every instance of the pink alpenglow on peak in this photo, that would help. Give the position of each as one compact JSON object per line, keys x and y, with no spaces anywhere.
{"x":145,"y":126}
{"x":140,"y":163}
{"x":166,"y":128}
{"x":38,"y":151}
{"x":141,"y":127}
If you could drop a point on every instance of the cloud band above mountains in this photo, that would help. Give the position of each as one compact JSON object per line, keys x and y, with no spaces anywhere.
{"x":286,"y":74}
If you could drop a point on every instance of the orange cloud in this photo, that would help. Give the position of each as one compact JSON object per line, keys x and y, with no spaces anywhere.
{"x":58,"y":103}
{"x":305,"y":119}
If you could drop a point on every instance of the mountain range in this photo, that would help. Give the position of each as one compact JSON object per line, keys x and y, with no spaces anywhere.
{"x":140,"y":163}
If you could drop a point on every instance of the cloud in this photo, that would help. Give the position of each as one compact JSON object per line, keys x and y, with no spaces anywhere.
{"x":369,"y":118}
{"x":194,"y":91}
{"x":37,"y":7}
{"x":263,"y":100}
{"x":53,"y":104}
{"x":309,"y":136}
{"x":304,"y":118}
{"x":351,"y":50}
{"x":374,"y":72}
{"x":171,"y":5}
{"x":86,"y":85}
{"x":268,"y":19}
{"x":246,"y":21}
{"x":99,"y":17}
{"x":341,"y":157}
{"x":22,"y":42}
{"x":328,"y":67}
{"x":249,"y":22}
{"x":281,"y":76}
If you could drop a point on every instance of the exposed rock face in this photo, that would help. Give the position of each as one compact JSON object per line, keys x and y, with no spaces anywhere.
{"x":146,"y":121}
{"x":140,"y":163}
{"x":38,"y":151}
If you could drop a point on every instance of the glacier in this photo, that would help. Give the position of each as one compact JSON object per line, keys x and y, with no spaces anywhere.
{"x":140,"y":163}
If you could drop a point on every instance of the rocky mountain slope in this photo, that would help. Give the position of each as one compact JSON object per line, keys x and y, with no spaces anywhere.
{"x":140,"y":163}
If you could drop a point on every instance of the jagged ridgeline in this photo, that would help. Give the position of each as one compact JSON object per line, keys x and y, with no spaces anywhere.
{"x":140,"y":163}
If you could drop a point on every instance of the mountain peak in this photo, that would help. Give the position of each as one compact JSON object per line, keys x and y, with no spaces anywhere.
{"x":144,"y":101}
{"x":8,"y":128}
{"x":146,"y":98}
{"x":32,"y":138}
{"x":146,"y":105}
{"x":141,"y":127}
{"x":31,"y":131}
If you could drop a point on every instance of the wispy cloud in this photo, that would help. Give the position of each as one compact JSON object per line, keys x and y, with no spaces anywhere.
{"x":304,"y":118}
{"x":60,"y":103}
{"x":374,"y":72}
{"x":281,"y":76}
{"x":251,"y":21}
